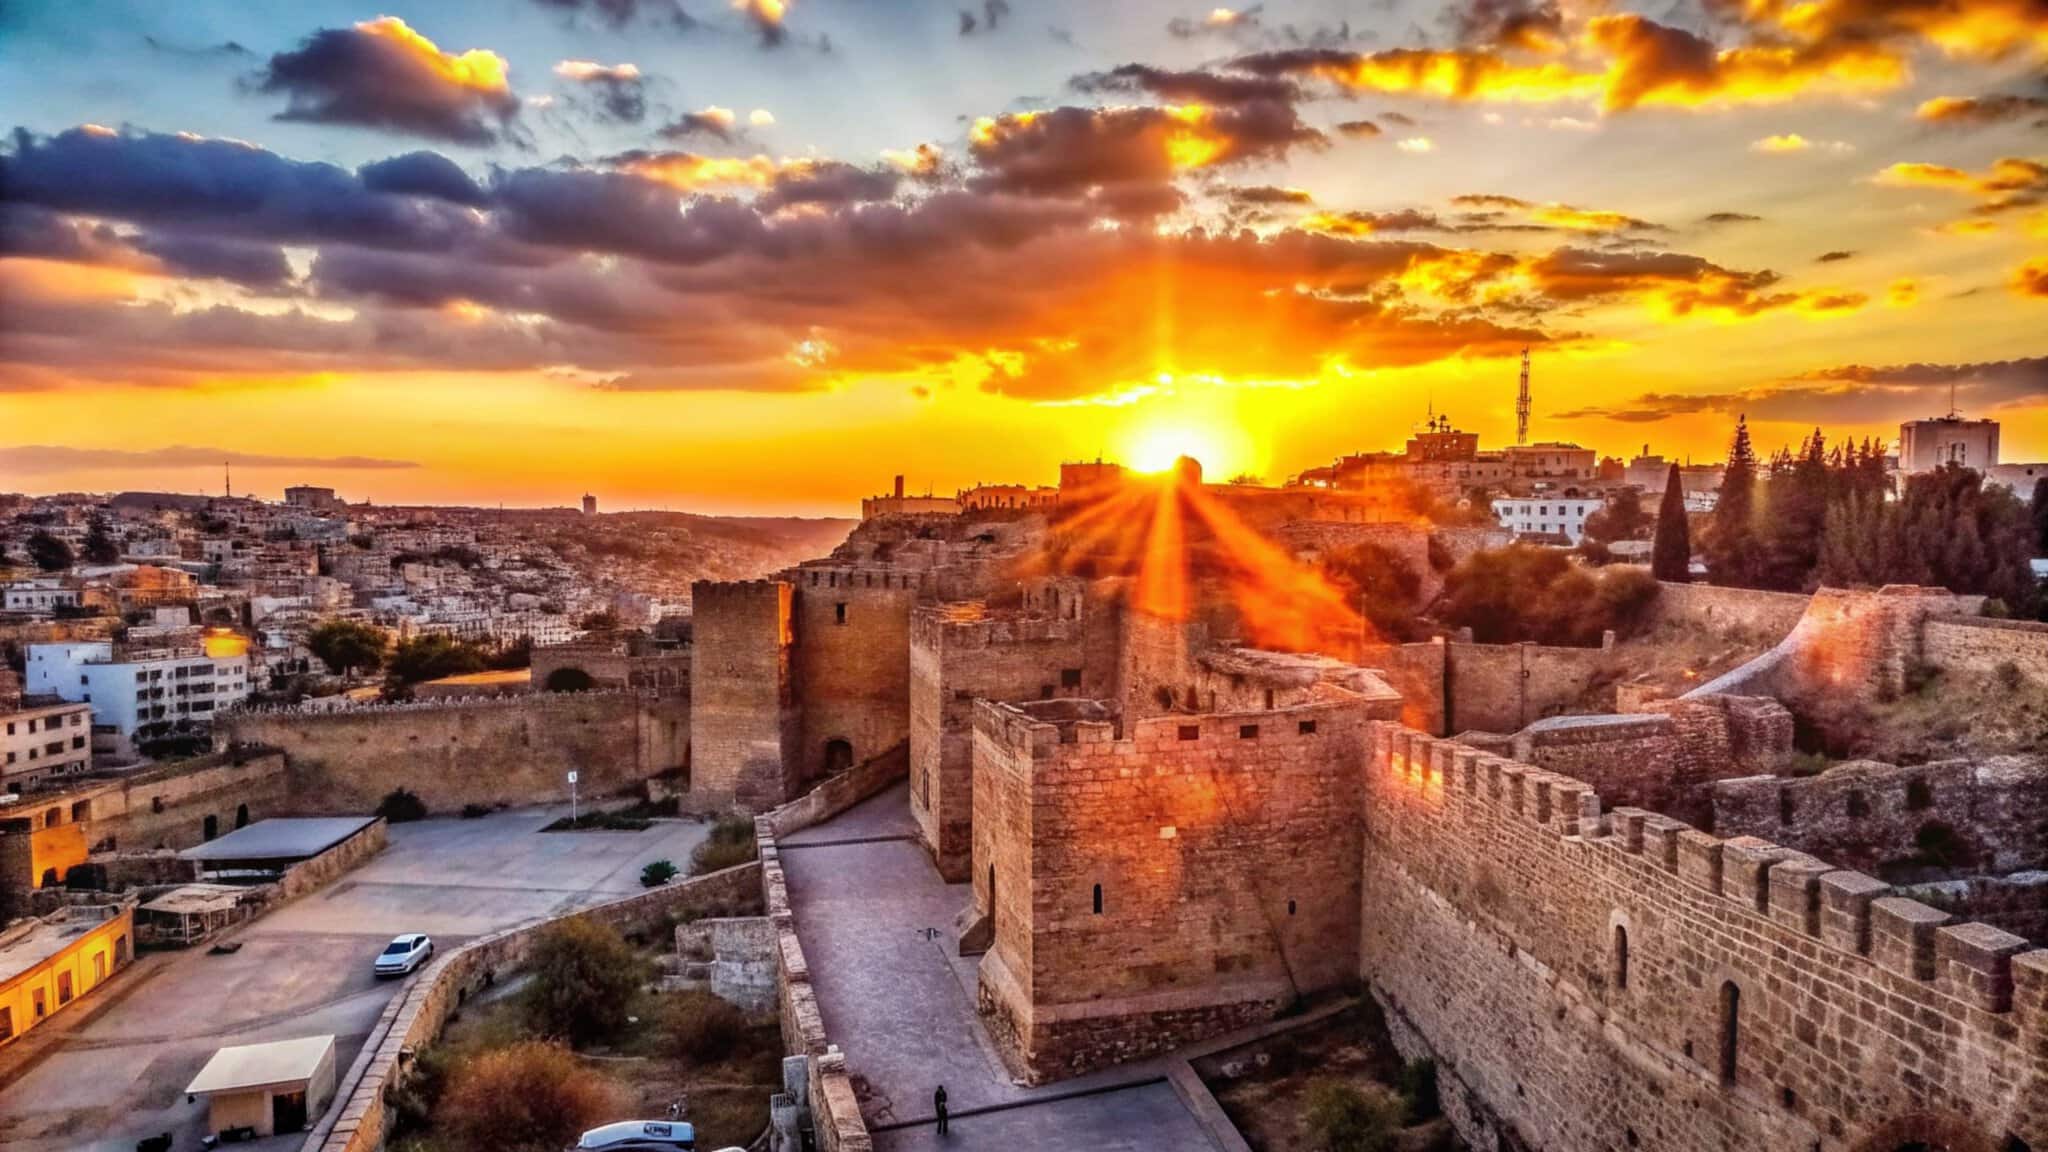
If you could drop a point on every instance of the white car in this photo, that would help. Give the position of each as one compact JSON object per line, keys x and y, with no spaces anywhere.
{"x":404,"y":954}
{"x":641,"y":1136}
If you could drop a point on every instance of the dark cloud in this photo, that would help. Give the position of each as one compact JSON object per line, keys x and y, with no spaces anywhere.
{"x":618,"y":212}
{"x":1852,"y":394}
{"x":829,"y":182}
{"x":1358,"y":129}
{"x":1834,"y":257}
{"x":2031,"y":279}
{"x":620,"y":90}
{"x":223,"y":185}
{"x":1188,"y":87}
{"x":1398,"y":119}
{"x":226,"y":49}
{"x":1529,"y":25}
{"x":1369,"y":223}
{"x":1267,"y":194}
{"x":382,"y":74}
{"x":1982,"y":111}
{"x":202,"y":257}
{"x":990,"y":18}
{"x":38,"y":458}
{"x":1128,"y":156}
{"x":617,"y":14}
{"x":423,"y":174}
{"x":1718,"y":219}
{"x":718,"y":123}
{"x":37,"y":233}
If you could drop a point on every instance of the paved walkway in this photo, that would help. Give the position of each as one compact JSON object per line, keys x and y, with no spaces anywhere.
{"x":117,"y":1072}
{"x":876,"y":924}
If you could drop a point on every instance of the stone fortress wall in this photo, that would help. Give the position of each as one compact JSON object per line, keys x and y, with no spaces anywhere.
{"x":450,"y":754}
{"x":742,"y":702}
{"x":1151,"y":882}
{"x":850,"y":662}
{"x":1614,"y":979}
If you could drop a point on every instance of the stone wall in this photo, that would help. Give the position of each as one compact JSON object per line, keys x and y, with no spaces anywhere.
{"x":511,"y":751}
{"x":358,"y":1120}
{"x":1663,"y":758}
{"x":1869,"y":815}
{"x":2017,"y":903}
{"x":610,"y":663}
{"x":850,"y":663}
{"x":1858,"y":643}
{"x":1419,"y":672}
{"x":1189,"y":877}
{"x":1975,"y":644}
{"x":1503,"y":687}
{"x":1769,"y":616}
{"x":742,"y":703}
{"x":1620,"y":980}
{"x":957,"y":656}
{"x":167,"y":806}
{"x":732,"y":957}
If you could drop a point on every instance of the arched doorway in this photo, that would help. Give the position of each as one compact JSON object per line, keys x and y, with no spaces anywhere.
{"x":570,"y":679}
{"x":838,"y":757}
{"x":241,"y":815}
{"x":211,"y":828}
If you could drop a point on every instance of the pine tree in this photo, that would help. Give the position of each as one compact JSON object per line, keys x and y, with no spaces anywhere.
{"x":1671,"y":556}
{"x":2040,"y":515}
{"x":1731,"y":539}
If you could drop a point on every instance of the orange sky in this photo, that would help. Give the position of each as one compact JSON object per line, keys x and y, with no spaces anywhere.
{"x":447,"y":257}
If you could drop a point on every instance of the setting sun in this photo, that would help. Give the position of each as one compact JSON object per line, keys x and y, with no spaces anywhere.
{"x":1155,"y":449}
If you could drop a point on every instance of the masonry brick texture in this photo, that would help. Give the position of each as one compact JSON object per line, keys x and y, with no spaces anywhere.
{"x":743,"y":718}
{"x":1224,"y":847}
{"x":850,"y":664}
{"x":1497,"y":897}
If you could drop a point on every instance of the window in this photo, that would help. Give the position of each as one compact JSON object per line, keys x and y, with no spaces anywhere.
{"x":1306,"y":727}
{"x":1731,"y":1011}
{"x":1070,"y":677}
{"x":1248,"y":732}
{"x":39,"y":1002}
{"x":1098,"y":899}
{"x":99,"y":967}
{"x":1191,"y":731}
{"x":1859,"y":805}
{"x":64,"y":991}
{"x":1919,"y":797}
{"x":6,"y":1023}
{"x":1788,"y":806}
{"x":1620,"y":958}
{"x":839,"y":613}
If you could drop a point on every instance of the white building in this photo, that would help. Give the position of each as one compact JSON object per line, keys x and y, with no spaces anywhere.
{"x":39,"y":597}
{"x":1546,"y":515}
{"x":38,"y":741}
{"x":1925,"y":445}
{"x":137,"y":691}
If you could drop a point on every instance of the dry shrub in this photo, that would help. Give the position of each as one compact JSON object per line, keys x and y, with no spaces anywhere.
{"x":530,"y":1097}
{"x":1346,"y":1117}
{"x":702,"y":1028}
{"x":584,"y":978}
{"x":731,"y":842}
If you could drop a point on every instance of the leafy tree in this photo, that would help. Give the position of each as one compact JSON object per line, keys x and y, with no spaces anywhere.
{"x":2040,"y":514}
{"x":527,"y":1097}
{"x":1522,"y":592}
{"x":1796,"y":508}
{"x":100,"y":547}
{"x":432,"y":657}
{"x":1731,"y":547}
{"x":347,"y":646}
{"x":657,"y":873}
{"x":584,"y":979}
{"x":1384,"y":586}
{"x":49,"y":553}
{"x":1622,"y":518}
{"x":401,"y":806}
{"x":1671,"y":555}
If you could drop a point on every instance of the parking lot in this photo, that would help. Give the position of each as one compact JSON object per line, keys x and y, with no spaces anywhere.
{"x":115,"y":1068}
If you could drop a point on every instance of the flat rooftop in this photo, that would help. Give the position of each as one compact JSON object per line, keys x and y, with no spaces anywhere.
{"x":43,"y":940}
{"x":252,"y":1066}
{"x":293,"y":838}
{"x":193,"y":899}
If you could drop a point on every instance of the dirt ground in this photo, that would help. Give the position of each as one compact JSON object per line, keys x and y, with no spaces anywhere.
{"x":1263,"y":1086}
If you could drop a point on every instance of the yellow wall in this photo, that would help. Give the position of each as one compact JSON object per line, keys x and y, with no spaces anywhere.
{"x":225,"y":1110}
{"x":59,"y":848}
{"x":18,"y":994}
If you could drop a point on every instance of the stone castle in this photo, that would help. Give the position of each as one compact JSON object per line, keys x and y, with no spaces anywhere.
{"x":1168,"y":827}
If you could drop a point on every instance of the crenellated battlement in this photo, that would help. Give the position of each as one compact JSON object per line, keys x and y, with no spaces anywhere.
{"x":954,"y":628}
{"x":1789,"y":898}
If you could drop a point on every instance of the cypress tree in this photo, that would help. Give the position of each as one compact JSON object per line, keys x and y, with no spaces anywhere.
{"x":1731,"y":540}
{"x":1671,"y":556}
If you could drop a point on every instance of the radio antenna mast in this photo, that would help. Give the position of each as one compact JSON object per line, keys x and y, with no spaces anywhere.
{"x":1522,"y":404}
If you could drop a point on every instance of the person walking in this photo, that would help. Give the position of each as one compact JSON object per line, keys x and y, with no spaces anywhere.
{"x":939,"y":1107}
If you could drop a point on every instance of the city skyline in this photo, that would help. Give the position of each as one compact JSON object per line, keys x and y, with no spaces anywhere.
{"x":761,"y":257}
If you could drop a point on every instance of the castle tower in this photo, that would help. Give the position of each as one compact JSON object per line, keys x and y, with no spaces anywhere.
{"x":743,"y":715}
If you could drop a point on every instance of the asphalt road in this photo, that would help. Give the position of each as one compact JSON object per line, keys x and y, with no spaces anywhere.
{"x":115,"y":1070}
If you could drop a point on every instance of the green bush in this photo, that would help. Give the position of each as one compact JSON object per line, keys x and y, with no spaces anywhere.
{"x":584,"y":978}
{"x":702,"y":1028}
{"x":731,"y":842}
{"x":1344,"y":1117}
{"x":1518,"y":593}
{"x":400,"y":805}
{"x":657,"y":873}
{"x":1418,"y":1088}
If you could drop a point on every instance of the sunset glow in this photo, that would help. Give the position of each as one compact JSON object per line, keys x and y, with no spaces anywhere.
{"x":762,"y":256}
